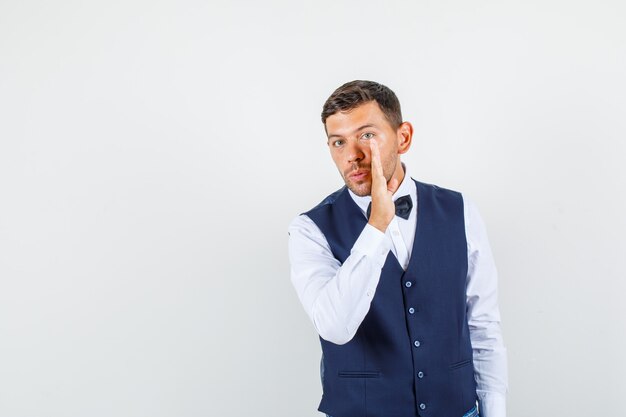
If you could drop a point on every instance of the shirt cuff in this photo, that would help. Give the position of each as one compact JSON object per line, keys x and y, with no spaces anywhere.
{"x":492,"y":404}
{"x":373,"y":244}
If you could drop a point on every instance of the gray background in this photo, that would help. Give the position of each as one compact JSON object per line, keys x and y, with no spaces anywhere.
{"x":152,"y":154}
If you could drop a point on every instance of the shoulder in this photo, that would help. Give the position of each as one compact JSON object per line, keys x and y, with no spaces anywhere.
{"x":439,"y":197}
{"x":469,"y":206}
{"x":436,"y":189}
{"x":324,"y":209}
{"x":328,"y":201}
{"x":474,"y":225}
{"x":304,"y":224}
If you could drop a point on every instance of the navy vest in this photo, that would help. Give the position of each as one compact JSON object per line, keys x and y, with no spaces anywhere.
{"x":412,"y":353}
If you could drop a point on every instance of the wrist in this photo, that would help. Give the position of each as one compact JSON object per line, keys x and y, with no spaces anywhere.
{"x":382,"y":226}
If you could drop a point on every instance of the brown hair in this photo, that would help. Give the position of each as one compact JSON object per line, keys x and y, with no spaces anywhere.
{"x":357,"y":92}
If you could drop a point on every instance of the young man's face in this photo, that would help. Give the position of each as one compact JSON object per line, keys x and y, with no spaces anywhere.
{"x":349,"y":134}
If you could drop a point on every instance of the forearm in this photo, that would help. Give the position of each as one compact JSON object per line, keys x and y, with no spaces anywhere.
{"x":490,"y":368}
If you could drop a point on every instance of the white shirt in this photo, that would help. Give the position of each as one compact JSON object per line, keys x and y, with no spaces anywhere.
{"x":337,"y":296}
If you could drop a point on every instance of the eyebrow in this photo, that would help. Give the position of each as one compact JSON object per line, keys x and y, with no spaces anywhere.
{"x":356,"y":130}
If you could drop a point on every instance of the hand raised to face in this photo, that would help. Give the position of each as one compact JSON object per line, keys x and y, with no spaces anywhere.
{"x":383,"y":208}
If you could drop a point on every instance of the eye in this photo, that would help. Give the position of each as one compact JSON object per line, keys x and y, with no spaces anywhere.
{"x":367,"y":136}
{"x":337,"y":143}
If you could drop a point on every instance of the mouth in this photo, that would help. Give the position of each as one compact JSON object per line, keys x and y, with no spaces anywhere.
{"x":359,"y":175}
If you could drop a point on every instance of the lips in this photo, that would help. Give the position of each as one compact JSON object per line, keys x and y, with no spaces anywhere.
{"x":358,"y":175}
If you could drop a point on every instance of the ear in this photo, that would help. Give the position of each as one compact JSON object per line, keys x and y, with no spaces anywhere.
{"x":405,"y":135}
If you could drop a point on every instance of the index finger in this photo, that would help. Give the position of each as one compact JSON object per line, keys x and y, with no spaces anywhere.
{"x":376,"y":165}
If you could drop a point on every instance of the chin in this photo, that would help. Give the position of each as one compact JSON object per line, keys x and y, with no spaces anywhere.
{"x":361,"y":190}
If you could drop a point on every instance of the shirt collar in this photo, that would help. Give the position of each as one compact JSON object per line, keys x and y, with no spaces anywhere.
{"x":406,"y":187}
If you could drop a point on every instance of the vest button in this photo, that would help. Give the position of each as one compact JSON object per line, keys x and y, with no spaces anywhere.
{"x":417,"y":343}
{"x":420,"y":374}
{"x":422,"y":406}
{"x":411,"y":310}
{"x":408,"y":284}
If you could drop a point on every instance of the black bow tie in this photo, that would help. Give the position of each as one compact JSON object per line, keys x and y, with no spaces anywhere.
{"x":403,"y":207}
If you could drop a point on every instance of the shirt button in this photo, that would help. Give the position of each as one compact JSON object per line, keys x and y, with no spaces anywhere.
{"x":395,"y":233}
{"x":411,"y":310}
{"x":422,"y":406}
{"x":417,"y":343}
{"x":408,"y":284}
{"x":420,"y":374}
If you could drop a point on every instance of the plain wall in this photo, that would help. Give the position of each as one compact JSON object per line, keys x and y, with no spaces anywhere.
{"x":152,"y":154}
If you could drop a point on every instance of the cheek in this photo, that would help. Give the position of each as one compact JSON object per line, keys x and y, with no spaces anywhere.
{"x":389,"y":160}
{"x":336,"y":157}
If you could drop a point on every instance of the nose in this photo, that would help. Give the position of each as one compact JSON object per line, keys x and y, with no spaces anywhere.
{"x":355,"y":153}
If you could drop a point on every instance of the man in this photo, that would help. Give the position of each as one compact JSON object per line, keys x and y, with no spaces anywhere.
{"x":397,"y":277}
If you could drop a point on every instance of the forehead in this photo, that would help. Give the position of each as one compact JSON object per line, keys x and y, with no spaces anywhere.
{"x":344,"y":123}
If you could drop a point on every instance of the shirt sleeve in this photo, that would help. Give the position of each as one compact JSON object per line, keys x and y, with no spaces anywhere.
{"x":490,"y":361}
{"x":335,"y":296}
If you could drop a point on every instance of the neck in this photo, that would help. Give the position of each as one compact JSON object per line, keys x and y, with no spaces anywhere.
{"x":398,"y":173}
